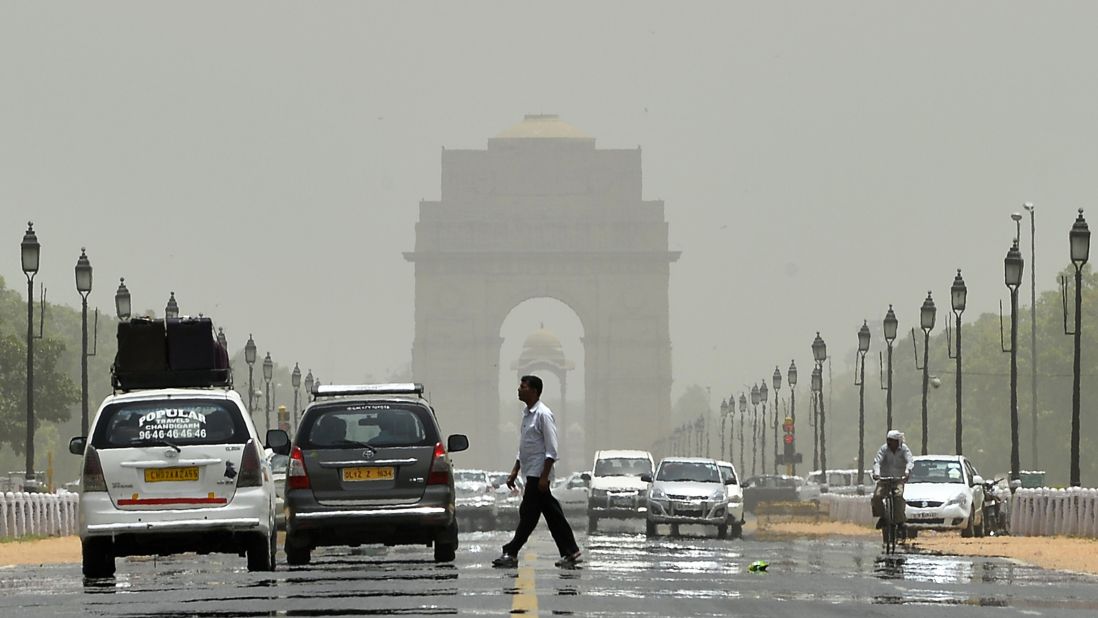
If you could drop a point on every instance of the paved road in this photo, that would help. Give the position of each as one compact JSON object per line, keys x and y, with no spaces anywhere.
{"x":624,"y":574}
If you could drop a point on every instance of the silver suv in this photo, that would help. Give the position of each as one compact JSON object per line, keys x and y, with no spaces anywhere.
{"x":687,"y":490}
{"x":368,"y":465}
{"x":616,"y":488}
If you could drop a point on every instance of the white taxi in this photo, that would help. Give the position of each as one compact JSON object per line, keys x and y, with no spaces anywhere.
{"x":168,"y":471}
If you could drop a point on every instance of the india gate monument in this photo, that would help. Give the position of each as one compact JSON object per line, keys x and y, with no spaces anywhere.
{"x":543,"y":213}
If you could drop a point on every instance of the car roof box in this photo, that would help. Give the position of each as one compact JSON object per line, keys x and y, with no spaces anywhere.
{"x":172,"y":353}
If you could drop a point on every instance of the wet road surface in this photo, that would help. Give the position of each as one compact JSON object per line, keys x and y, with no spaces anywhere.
{"x":624,"y":574}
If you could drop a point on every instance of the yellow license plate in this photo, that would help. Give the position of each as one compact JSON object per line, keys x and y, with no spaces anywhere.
{"x":368,"y":474}
{"x":157,"y":475}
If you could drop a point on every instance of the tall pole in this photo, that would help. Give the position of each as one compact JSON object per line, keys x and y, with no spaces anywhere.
{"x":815,"y":431}
{"x":823,"y":437}
{"x":863,"y":349}
{"x":793,"y":415}
{"x":30,"y":380}
{"x":84,"y":365}
{"x":927,"y":314}
{"x":888,"y":393}
{"x":1032,"y":335}
{"x":1080,"y":253}
{"x":743,"y":413}
{"x":960,"y":427}
{"x":926,"y":383}
{"x":1015,"y":462}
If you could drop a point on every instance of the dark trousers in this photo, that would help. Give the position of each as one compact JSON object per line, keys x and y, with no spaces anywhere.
{"x":536,"y":503}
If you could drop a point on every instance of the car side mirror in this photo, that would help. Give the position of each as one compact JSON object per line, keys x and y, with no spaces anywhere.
{"x":647,"y":478}
{"x":457,"y":443}
{"x":977,"y":480}
{"x":278,"y":441}
{"x":586,"y":477}
{"x":77,"y":445}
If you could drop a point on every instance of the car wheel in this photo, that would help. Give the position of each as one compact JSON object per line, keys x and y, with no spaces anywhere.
{"x":96,"y":558}
{"x":969,"y":528}
{"x":259,"y":552}
{"x":736,"y":531}
{"x":978,"y":530}
{"x":446,"y":543}
{"x":722,"y":531}
{"x":297,"y":555}
{"x":592,"y":523}
{"x":650,"y":528}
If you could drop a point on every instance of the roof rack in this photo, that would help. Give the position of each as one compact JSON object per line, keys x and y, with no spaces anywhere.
{"x":342,"y":390}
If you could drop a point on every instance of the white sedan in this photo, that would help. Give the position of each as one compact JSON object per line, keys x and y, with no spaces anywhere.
{"x":945,"y":493}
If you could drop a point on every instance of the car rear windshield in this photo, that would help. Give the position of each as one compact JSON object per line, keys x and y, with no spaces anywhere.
{"x":367,"y":424}
{"x":936,"y":472}
{"x":623,"y":466}
{"x":180,"y":422}
{"x":688,"y":471}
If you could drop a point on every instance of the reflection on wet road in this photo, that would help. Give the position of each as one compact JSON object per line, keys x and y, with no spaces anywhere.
{"x":624,"y":574}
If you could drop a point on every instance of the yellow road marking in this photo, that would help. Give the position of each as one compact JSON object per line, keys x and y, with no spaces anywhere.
{"x":526,"y":601}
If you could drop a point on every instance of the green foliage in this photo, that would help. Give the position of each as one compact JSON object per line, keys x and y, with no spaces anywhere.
{"x":54,"y":392}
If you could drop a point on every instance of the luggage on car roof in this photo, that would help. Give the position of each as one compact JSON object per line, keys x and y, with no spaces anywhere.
{"x":178,"y":352}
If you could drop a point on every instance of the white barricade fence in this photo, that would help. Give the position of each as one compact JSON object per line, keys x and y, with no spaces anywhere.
{"x":1046,"y":512}
{"x":37,"y":514}
{"x":849,"y":508}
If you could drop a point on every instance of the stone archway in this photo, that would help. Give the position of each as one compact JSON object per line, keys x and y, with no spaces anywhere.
{"x":543,"y":213}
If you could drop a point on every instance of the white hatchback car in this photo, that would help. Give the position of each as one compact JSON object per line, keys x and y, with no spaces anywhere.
{"x":616,"y":488}
{"x":945,"y":493}
{"x":168,"y":471}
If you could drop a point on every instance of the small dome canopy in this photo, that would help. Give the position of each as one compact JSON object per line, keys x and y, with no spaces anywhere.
{"x":543,"y":126}
{"x":542,"y":346}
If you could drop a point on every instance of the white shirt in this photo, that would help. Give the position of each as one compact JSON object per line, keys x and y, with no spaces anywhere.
{"x":887,"y":463}
{"x":537,"y":439}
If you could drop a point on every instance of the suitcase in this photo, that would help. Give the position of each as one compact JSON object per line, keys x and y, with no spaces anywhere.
{"x":190,"y":344}
{"x":142,"y":347}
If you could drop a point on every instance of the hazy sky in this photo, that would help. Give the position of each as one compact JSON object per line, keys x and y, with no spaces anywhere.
{"x":818,"y":160}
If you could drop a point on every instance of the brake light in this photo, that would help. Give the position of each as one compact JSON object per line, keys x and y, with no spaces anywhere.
{"x":250,"y":473}
{"x":93,"y":472}
{"x":440,"y":467}
{"x":296,"y":475}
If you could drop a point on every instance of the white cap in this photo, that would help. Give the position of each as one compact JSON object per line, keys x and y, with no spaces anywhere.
{"x":895,"y":435}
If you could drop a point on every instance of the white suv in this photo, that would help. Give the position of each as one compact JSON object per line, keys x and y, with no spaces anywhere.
{"x":617,"y":491}
{"x":168,"y":471}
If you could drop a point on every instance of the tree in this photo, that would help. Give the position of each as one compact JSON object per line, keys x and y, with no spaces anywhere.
{"x":54,"y":392}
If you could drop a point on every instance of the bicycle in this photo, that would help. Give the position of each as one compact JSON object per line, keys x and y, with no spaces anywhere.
{"x":891,"y":530}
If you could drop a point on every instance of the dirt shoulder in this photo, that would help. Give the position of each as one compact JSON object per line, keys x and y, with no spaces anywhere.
{"x":1056,"y":552}
{"x":64,"y":549}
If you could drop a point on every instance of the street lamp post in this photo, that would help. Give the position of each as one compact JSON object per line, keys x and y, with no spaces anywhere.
{"x":249,"y":357}
{"x":171,"y":310}
{"x":1032,"y":331}
{"x":890,"y":326}
{"x":927,"y":314}
{"x":791,"y":376}
{"x":763,"y":396}
{"x":295,"y":381}
{"x":958,"y":294}
{"x":817,"y":388}
{"x":1080,"y":253}
{"x":863,"y":348}
{"x":776,"y":380}
{"x":743,"y":413}
{"x":309,"y":384}
{"x":84,"y":287}
{"x":819,"y":353}
{"x":268,"y":373}
{"x":724,"y":418}
{"x":1013,"y":265}
{"x":30,"y":252}
{"x":754,"y":426}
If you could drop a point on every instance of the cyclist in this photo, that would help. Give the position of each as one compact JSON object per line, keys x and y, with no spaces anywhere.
{"x":895,"y":460}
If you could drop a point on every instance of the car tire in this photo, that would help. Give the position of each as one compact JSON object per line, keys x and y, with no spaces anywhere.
{"x":297,"y":556}
{"x":96,"y":558}
{"x":969,"y":529}
{"x":722,"y":531}
{"x":736,"y":531}
{"x":259,"y":552}
{"x":446,"y":543}
{"x":978,"y":530}
{"x":650,"y":529}
{"x":592,"y":523}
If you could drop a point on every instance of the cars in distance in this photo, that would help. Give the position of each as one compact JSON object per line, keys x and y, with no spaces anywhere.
{"x":571,"y":491}
{"x":476,"y":500}
{"x":735,"y":498}
{"x":173,"y":470}
{"x":369,"y":465}
{"x":844,"y":481}
{"x":945,"y":492}
{"x":686,"y":490}
{"x":279,"y":464}
{"x":617,"y":488}
{"x":507,"y":500}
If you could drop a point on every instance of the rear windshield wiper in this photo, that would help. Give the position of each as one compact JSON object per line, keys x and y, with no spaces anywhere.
{"x":356,"y":443}
{"x":166,"y":443}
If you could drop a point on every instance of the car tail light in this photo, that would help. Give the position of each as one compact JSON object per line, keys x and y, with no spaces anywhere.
{"x":251,"y":475}
{"x":296,"y":475}
{"x":93,"y":472}
{"x":440,"y":467}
